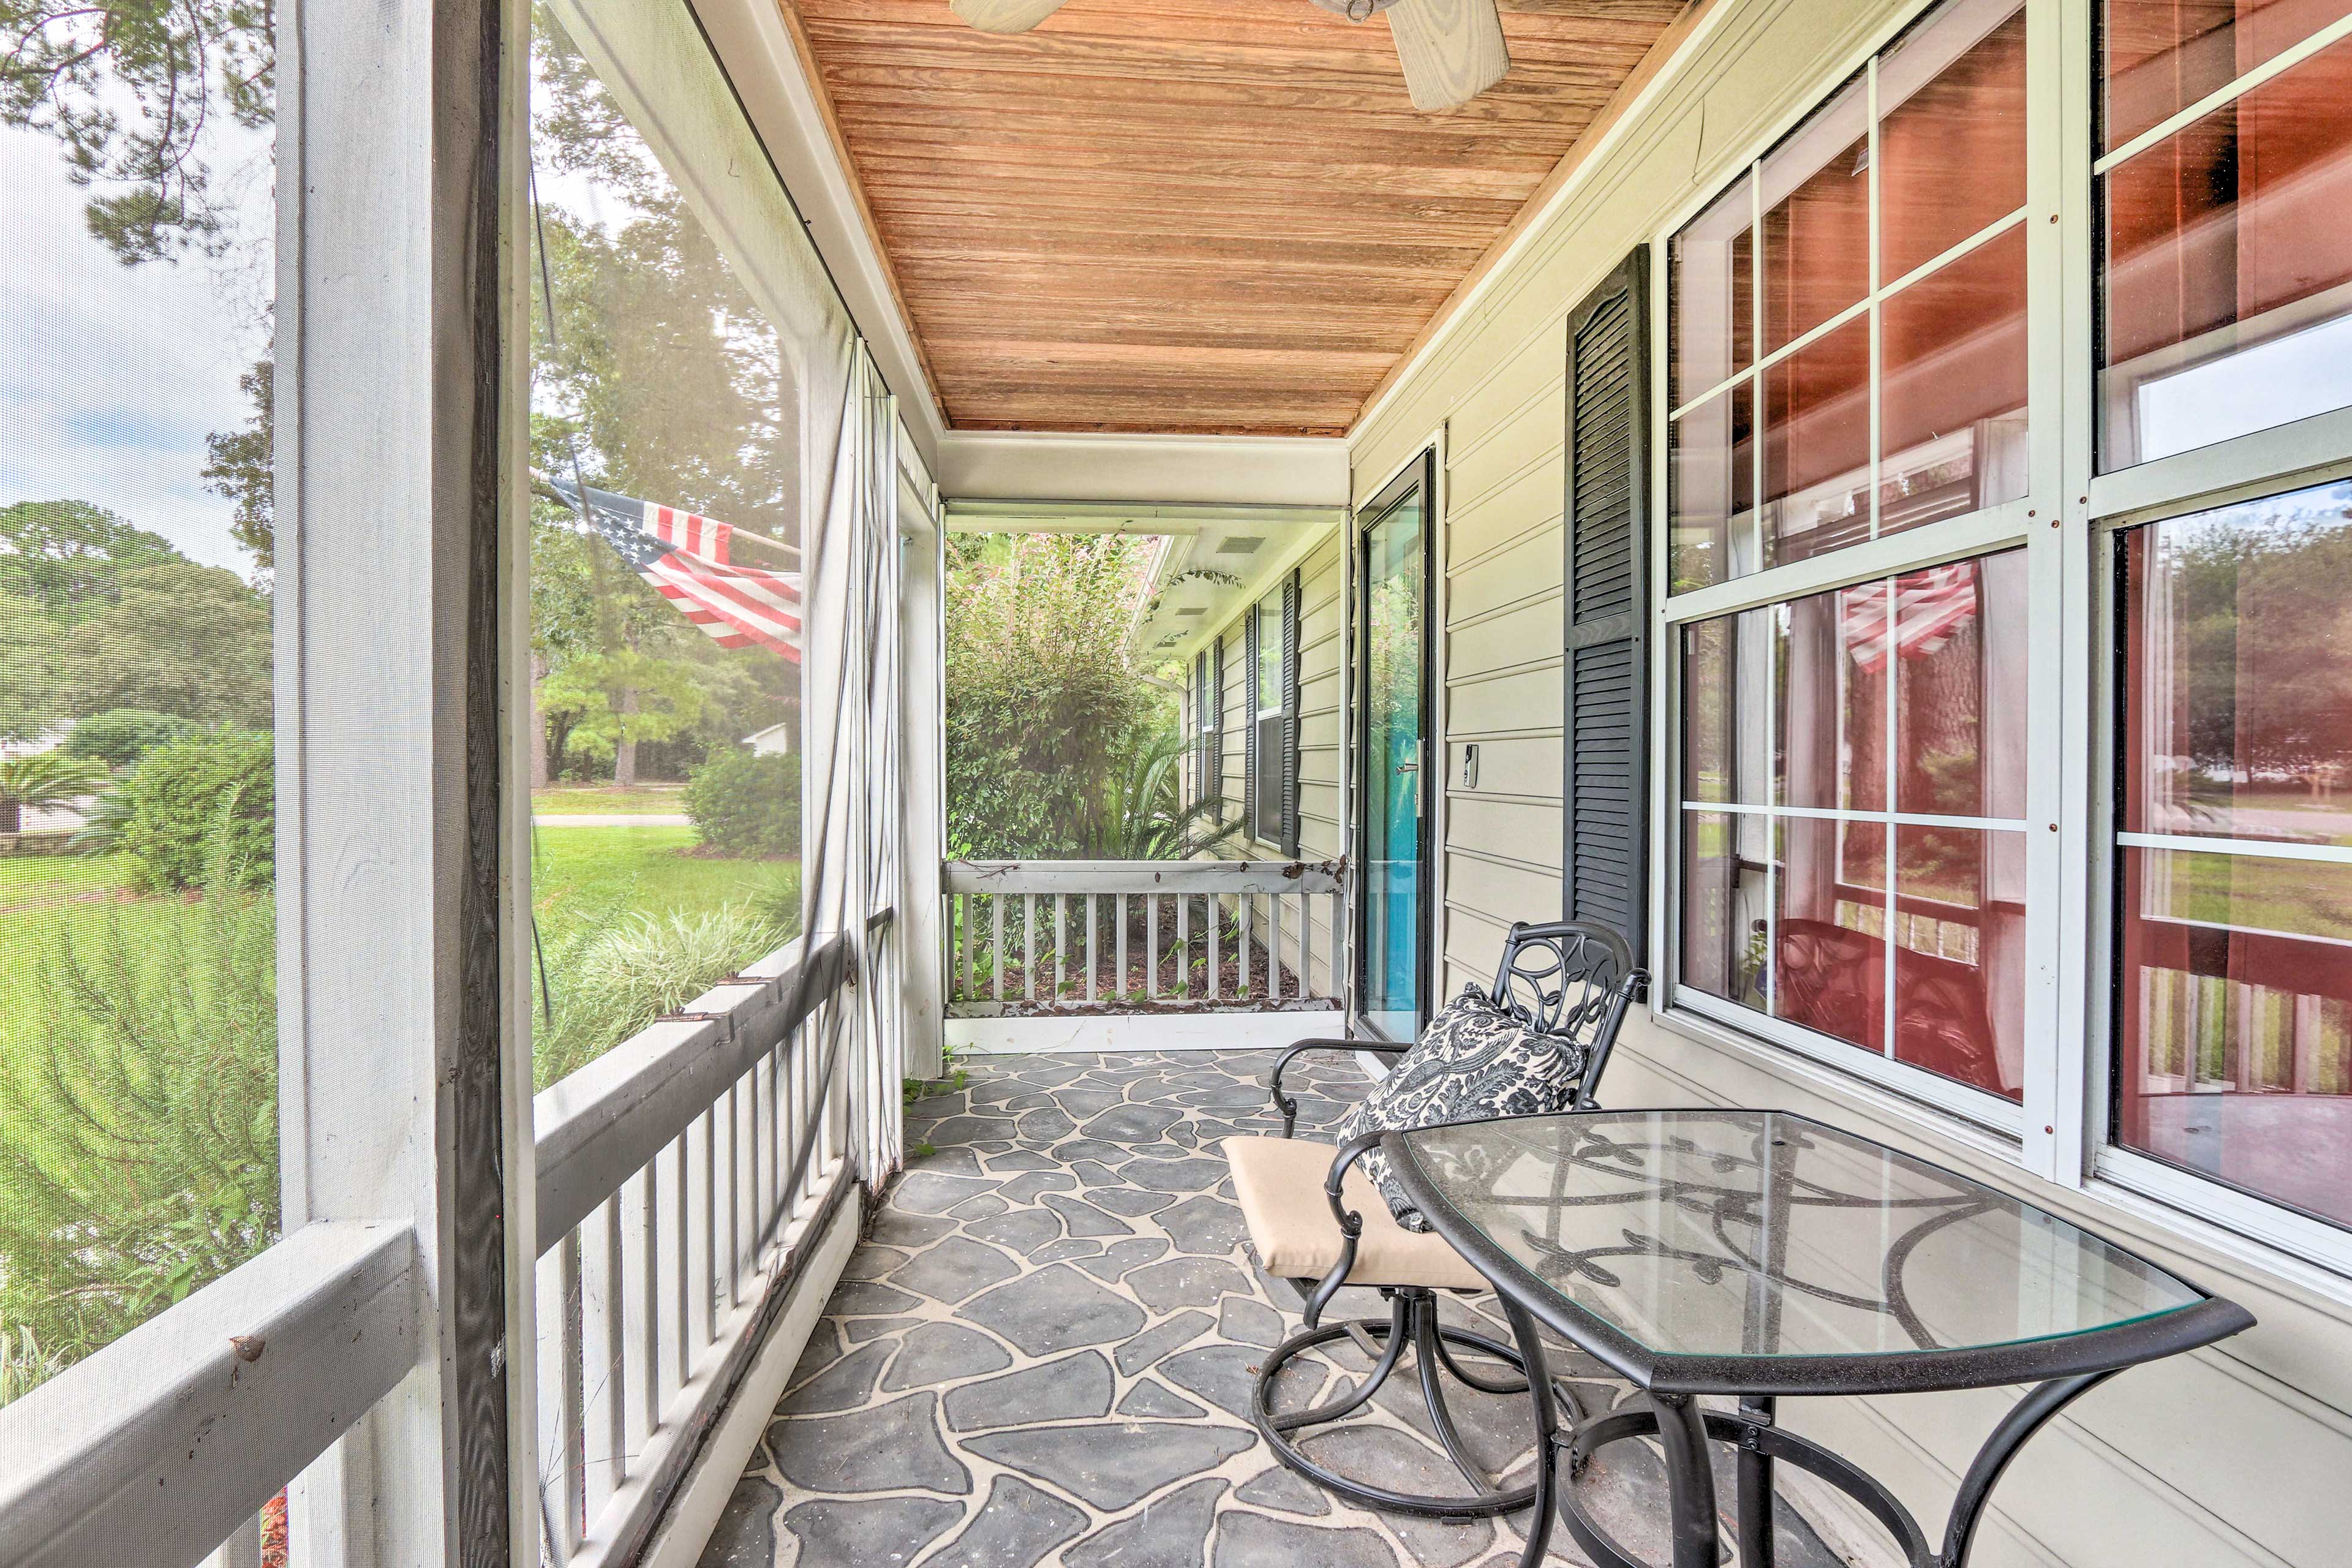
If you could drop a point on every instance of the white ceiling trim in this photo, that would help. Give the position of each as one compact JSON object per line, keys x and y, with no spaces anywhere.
{"x":1224,"y":470}
{"x":755,"y":48}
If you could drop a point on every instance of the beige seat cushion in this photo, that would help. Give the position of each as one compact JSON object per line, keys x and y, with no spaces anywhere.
{"x":1278,"y":1182}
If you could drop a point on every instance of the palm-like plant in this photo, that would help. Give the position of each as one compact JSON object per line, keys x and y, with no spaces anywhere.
{"x":41,"y":781}
{"x":1149,"y":821}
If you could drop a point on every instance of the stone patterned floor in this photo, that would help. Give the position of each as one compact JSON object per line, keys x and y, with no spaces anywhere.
{"x":1043,"y":1355}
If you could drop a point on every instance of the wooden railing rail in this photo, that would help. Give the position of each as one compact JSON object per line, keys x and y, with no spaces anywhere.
{"x":177,"y":1434}
{"x":678,"y":1176}
{"x":1053,"y":935}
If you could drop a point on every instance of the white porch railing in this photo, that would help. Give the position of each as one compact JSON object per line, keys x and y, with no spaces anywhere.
{"x":1037,"y":937}
{"x":678,"y":1177}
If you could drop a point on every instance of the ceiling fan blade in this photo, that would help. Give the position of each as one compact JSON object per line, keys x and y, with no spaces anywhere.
{"x":1004,"y":15}
{"x":1451,"y":50}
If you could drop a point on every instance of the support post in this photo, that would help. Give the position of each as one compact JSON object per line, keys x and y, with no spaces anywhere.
{"x":404,"y":1018}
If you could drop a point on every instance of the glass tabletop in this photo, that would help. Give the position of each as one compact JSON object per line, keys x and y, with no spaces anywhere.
{"x":1706,"y":1233}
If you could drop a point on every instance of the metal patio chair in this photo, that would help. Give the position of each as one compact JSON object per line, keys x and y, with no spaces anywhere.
{"x":1572,"y":980}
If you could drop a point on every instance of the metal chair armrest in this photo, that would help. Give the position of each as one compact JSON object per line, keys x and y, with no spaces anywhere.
{"x":1352,"y":1223}
{"x":1285,"y":1104}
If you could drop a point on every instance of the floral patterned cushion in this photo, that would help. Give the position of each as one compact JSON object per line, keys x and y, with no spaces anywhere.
{"x":1473,"y":1062}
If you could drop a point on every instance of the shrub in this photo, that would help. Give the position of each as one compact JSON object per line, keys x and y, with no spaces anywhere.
{"x":139,"y":1127}
{"x":747,"y":807}
{"x":120,"y":736}
{"x":187,"y":793}
{"x":615,"y":983}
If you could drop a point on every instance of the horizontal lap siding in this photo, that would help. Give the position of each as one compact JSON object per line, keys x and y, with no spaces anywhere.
{"x":2233,"y":1457}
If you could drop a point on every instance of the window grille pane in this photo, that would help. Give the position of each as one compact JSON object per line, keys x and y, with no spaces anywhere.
{"x":1952,"y":135}
{"x":1817,"y":447}
{"x":1816,"y":198}
{"x":1829,"y":949}
{"x":1724,"y":932}
{"x":1713,"y":280}
{"x":2226,"y":294}
{"x":2233,"y":1026}
{"x":1952,"y":411}
{"x":1269,"y":654}
{"x":1829,"y":721}
{"x":1713,"y":472}
{"x":2158,"y":57}
{"x":1959,"y":703}
{"x":1959,"y":955}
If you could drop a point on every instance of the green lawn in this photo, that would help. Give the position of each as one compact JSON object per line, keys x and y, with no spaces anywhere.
{"x":585,"y":873}
{"x":581,"y":876}
{"x":604,"y":800}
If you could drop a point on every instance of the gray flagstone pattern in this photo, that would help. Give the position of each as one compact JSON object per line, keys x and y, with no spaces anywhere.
{"x":1043,"y":1354}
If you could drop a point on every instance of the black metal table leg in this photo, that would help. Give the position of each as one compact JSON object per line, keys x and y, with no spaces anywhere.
{"x":1538,"y":1376}
{"x":2026,"y":1418}
{"x":1756,"y":1486}
{"x":1690,"y":1479}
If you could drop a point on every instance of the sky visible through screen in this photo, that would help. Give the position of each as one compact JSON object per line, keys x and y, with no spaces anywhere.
{"x":112,"y":376}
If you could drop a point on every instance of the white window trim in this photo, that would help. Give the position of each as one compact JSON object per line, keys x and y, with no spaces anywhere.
{"x":2059,"y":1133}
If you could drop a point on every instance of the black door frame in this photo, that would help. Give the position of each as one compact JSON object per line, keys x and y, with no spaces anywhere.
{"x":1420,"y":474}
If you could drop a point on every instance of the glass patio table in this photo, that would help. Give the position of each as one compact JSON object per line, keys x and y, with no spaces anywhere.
{"x":1762,"y":1254}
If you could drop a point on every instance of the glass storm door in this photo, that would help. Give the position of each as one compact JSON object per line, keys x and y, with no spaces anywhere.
{"x":1393,"y":822}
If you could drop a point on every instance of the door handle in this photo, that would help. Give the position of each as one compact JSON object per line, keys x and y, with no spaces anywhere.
{"x":1408,"y":767}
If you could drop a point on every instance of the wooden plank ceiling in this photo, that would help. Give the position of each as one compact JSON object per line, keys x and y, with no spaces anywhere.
{"x":1189,"y":216}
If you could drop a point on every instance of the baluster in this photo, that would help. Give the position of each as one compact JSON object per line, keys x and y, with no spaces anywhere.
{"x":1217,"y":916}
{"x":996,"y":942}
{"x":605,"y":1337}
{"x":680,"y":1259}
{"x":1094,"y":939}
{"x":1061,"y":943}
{"x":1273,"y":947}
{"x":1029,"y":945}
{"x":1152,"y":945}
{"x":967,"y":988}
{"x":1120,"y":989}
{"x":774,"y":1191}
{"x":710,"y":1263}
{"x":555,"y":1278}
{"x":1306,"y":946}
{"x":1339,"y":945}
{"x":1241,"y":905}
{"x":643,"y":1204}
{"x":1184,"y":946}
{"x":734,"y":1197}
{"x":576,"y":1394}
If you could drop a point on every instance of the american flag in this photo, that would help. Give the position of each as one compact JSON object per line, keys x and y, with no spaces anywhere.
{"x":1930,"y":608}
{"x":684,"y":557}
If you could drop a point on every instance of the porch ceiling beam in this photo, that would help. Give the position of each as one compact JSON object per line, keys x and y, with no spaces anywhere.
{"x":1228,"y":470}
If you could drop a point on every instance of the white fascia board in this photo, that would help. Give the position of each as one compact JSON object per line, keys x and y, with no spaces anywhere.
{"x":755,"y":50}
{"x":1219,"y":470}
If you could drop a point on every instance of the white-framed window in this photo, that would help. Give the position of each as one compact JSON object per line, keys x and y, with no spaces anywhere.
{"x":2002,"y":450}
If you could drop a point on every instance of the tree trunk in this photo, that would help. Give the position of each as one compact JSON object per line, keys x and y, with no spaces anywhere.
{"x":537,"y":723}
{"x":625,"y":755}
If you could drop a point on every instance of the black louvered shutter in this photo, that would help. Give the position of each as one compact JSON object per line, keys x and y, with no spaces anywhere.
{"x":1605,"y":872}
{"x":1249,"y":723}
{"x":1217,"y":725}
{"x":1290,"y":715}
